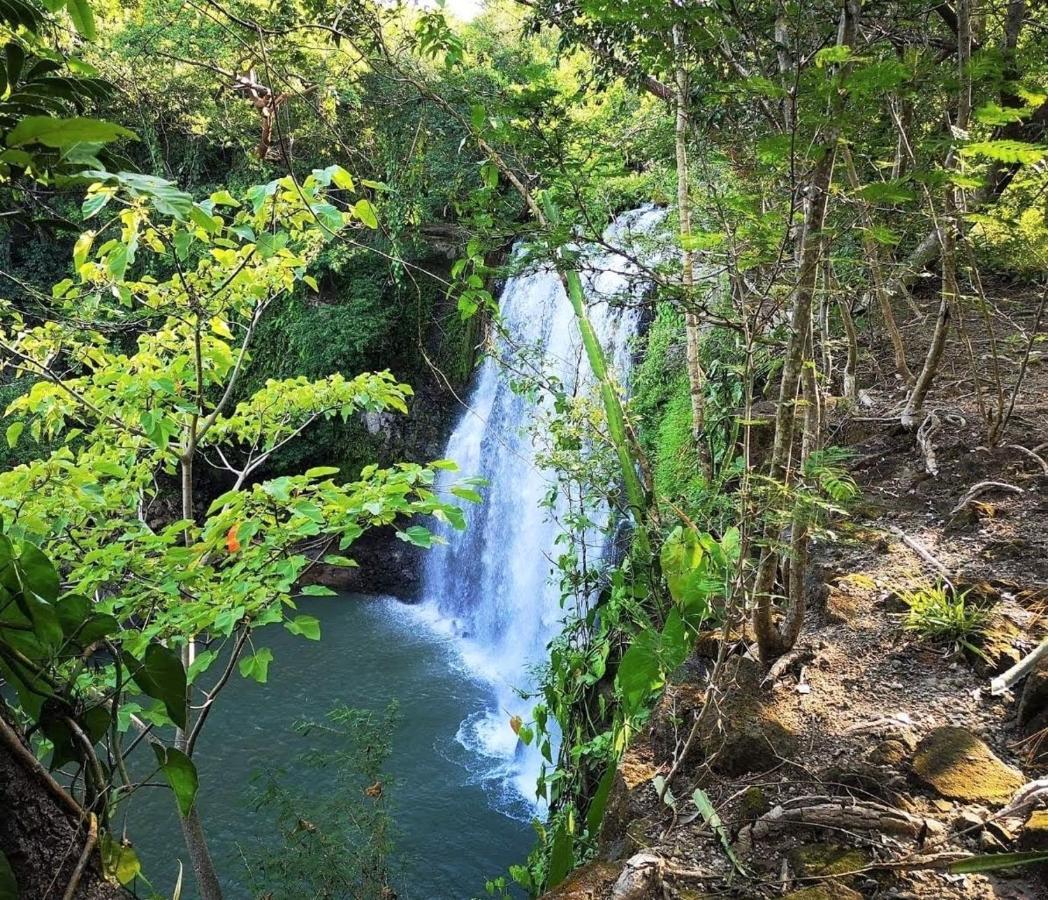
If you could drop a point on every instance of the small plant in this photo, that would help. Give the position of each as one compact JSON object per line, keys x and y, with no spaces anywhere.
{"x":940,"y":613}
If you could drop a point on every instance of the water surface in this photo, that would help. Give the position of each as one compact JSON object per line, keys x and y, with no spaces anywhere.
{"x":371,"y":651}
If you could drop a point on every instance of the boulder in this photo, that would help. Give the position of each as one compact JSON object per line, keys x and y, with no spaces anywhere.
{"x":957,"y":765}
{"x":625,"y":805}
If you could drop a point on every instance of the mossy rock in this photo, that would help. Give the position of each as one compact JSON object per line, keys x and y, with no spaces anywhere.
{"x":831,"y":890}
{"x":754,"y":803}
{"x":826,"y":860}
{"x":957,"y":765}
{"x":1034,"y":835}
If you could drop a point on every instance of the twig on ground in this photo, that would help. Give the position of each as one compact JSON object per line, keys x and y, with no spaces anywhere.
{"x":924,"y":553}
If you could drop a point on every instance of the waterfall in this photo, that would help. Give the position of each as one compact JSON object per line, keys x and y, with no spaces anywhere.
{"x":490,"y":587}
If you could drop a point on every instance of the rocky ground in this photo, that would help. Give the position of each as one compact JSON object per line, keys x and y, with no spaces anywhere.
{"x":872,"y":758}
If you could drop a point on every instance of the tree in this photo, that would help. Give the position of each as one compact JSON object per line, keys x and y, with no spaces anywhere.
{"x":136,"y":379}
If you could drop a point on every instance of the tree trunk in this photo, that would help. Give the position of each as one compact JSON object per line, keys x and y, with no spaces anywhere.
{"x":773,"y":640}
{"x":41,"y":835}
{"x":692,"y":324}
{"x":873,"y":259}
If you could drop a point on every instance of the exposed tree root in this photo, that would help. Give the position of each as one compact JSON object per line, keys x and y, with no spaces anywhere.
{"x":981,"y":488}
{"x":849,"y":815}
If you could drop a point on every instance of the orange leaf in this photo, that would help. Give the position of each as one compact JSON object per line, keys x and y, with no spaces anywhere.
{"x":232,"y":544}
{"x":515,"y":722}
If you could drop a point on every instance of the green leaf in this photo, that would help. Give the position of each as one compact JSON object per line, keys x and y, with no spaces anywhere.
{"x":202,"y":219}
{"x":713,"y":819}
{"x":58,"y":133}
{"x":224,"y":198}
{"x":1007,"y":151}
{"x":160,"y":675}
{"x":317,"y":590}
{"x":639,"y":672}
{"x":82,"y":247}
{"x":94,"y":202}
{"x":37,"y":572}
{"x":118,"y":861}
{"x":418,"y":535}
{"x":561,"y":857}
{"x":14,"y":432}
{"x":256,"y":666}
{"x":181,"y":774}
{"x":306,"y":626}
{"x":366,"y":212}
{"x":83,"y":18}
{"x":991,"y":862}
{"x":200,"y":664}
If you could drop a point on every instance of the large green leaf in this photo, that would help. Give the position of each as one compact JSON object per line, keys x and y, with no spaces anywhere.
{"x":160,"y":675}
{"x":181,"y":774}
{"x":561,"y":857}
{"x":83,"y":17}
{"x":59,"y":133}
{"x":256,"y":666}
{"x":37,"y":573}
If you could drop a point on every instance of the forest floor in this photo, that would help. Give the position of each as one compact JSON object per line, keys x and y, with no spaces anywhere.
{"x":873,"y":756}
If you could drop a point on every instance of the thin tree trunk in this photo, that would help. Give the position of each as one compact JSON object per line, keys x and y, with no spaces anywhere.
{"x":692,"y":324}
{"x":915,"y":402}
{"x":771,"y":639}
{"x":945,"y":231}
{"x":873,"y":259}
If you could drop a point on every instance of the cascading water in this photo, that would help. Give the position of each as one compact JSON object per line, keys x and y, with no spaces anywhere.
{"x":491,"y":586}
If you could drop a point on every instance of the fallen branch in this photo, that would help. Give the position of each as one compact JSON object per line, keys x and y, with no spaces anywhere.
{"x":1031,"y":454}
{"x":785,"y":663}
{"x":847,"y":815}
{"x":1003,"y":682}
{"x":1028,"y":796}
{"x":981,"y":488}
{"x":923,"y":552}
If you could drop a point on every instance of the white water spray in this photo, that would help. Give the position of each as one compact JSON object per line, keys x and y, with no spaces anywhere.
{"x":491,"y":587}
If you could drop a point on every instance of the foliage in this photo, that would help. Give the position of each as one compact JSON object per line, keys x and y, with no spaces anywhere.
{"x":165,"y":590}
{"x":943,"y":615}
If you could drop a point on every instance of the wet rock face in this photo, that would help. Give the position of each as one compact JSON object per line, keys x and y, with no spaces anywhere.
{"x":957,"y":765}
{"x":385,"y":565}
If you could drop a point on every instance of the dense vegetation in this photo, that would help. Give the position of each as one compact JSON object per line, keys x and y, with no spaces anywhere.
{"x":217,"y":215}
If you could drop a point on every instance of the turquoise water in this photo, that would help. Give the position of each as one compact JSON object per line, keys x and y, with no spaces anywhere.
{"x":458,"y":825}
